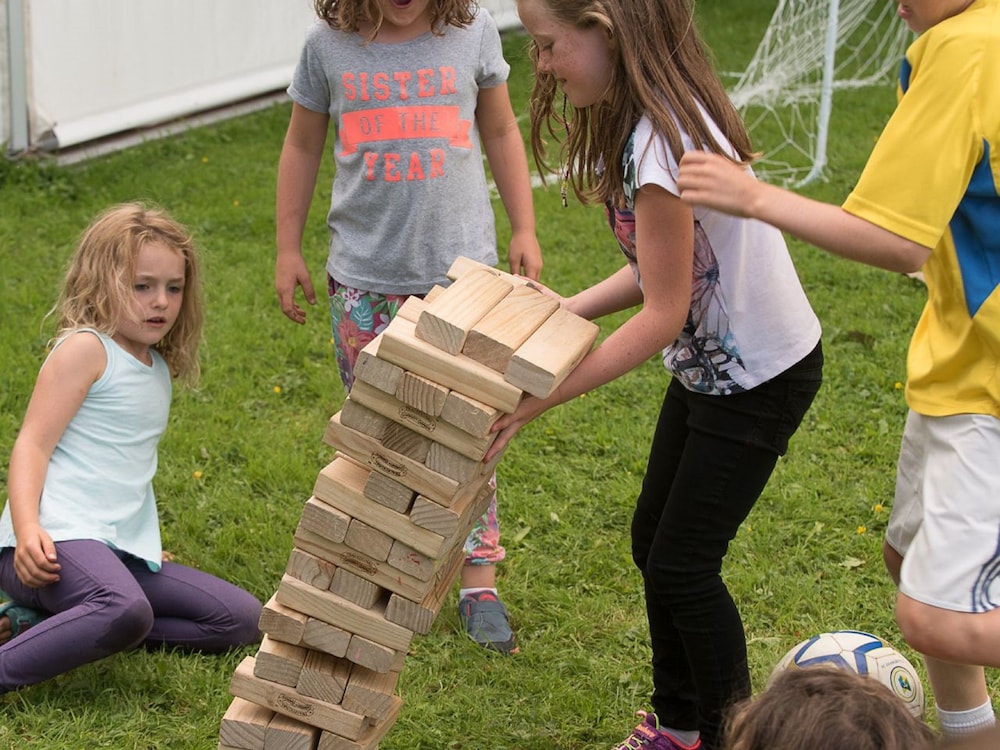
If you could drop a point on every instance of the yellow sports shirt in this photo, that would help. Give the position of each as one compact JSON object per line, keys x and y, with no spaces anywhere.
{"x":933,"y":178}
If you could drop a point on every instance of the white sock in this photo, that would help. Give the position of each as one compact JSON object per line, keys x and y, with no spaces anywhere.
{"x":476,"y":590}
{"x":955,"y":723}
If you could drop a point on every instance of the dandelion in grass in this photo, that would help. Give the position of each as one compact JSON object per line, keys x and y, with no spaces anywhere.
{"x":277,"y":389}
{"x":898,"y":386}
{"x":197,"y":474}
{"x":878,"y":508}
{"x":862,"y":529}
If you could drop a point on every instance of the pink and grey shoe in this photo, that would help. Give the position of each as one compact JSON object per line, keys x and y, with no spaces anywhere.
{"x":485,"y":620}
{"x":648,"y":736}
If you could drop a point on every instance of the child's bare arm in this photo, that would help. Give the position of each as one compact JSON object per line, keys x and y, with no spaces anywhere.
{"x":61,"y":387}
{"x":713,"y":181}
{"x":504,"y":148}
{"x":298,"y":167}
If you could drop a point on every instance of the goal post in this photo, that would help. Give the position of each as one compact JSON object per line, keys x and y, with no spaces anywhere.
{"x":810,"y":50}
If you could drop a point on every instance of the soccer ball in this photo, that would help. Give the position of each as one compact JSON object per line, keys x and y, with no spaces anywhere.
{"x":865,"y":654}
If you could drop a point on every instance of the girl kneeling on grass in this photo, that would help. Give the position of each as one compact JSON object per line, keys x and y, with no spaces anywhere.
{"x":80,"y":536}
{"x":718,"y":296}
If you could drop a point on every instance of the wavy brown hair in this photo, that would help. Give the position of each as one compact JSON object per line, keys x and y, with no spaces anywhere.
{"x":348,"y":15}
{"x":98,"y":289}
{"x":661,"y":68}
{"x":825,"y":707}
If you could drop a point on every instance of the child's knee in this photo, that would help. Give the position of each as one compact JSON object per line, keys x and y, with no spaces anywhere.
{"x":129,"y":622}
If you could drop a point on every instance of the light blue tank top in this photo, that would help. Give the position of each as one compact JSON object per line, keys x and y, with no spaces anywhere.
{"x":99,"y":483}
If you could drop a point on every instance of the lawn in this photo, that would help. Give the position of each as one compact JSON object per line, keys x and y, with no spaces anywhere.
{"x":243,"y":451}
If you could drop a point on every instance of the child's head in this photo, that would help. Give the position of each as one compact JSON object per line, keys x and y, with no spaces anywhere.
{"x":825,"y":708}
{"x":921,"y":15}
{"x":353,"y":15}
{"x":99,"y":290}
{"x":615,"y":61}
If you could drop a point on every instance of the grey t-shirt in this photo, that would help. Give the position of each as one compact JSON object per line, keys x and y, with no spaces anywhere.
{"x":410,"y":192}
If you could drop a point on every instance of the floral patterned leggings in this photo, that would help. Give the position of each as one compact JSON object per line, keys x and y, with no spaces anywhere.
{"x":358,"y":317}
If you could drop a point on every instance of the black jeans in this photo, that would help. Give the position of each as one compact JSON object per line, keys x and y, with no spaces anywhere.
{"x":710,"y":459}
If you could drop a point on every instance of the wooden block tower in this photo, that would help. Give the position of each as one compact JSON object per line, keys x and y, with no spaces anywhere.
{"x":381,"y":540}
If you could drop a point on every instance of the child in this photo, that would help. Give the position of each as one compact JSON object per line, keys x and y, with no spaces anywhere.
{"x":79,"y":536}
{"x":718,"y":297}
{"x":825,"y":708}
{"x":412,"y":88}
{"x":928,"y":199}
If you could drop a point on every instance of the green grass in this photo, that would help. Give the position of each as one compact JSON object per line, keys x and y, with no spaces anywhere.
{"x":243,"y":451}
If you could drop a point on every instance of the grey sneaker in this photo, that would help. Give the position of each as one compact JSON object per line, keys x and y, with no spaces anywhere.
{"x":485,"y":620}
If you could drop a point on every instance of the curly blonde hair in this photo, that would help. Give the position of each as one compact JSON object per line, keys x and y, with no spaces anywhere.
{"x":98,"y":289}
{"x":348,"y":15}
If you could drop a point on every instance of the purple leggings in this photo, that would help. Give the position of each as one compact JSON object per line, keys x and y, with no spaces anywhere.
{"x":107,"y":601}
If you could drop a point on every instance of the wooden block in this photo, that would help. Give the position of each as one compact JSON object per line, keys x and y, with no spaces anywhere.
{"x":284,"y":700}
{"x":448,"y":319}
{"x":243,"y":725}
{"x":341,"y":613}
{"x":419,"y":616}
{"x":401,"y":439}
{"x":286,"y":733}
{"x":355,"y":589}
{"x":279,"y":662}
{"x":463,"y":265}
{"x":372,"y":454}
{"x":324,"y":677}
{"x":401,"y":346}
{"x":368,"y":540}
{"x":431,"y":427}
{"x":380,"y":573}
{"x":322,"y":636}
{"x":469,"y":415}
{"x":389,"y":492}
{"x":495,"y":338}
{"x":359,"y":417}
{"x":421,"y":394}
{"x":340,"y":484}
{"x":370,"y":368}
{"x":371,"y":737}
{"x":281,"y":622}
{"x":372,"y":655}
{"x":370,"y":693}
{"x":310,"y":569}
{"x":434,"y":517}
{"x":542,"y":362}
{"x":411,"y":562}
{"x":443,"y":460}
{"x":325,"y":520}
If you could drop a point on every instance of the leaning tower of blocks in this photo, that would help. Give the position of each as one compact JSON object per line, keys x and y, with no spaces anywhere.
{"x":381,"y":540}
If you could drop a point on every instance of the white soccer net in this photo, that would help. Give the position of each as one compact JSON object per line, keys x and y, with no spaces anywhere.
{"x":810,"y":50}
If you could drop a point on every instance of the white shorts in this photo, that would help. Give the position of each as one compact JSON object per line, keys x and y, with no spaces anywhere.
{"x":945,"y":519}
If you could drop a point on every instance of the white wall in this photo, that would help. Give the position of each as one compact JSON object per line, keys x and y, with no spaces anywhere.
{"x":94,"y":68}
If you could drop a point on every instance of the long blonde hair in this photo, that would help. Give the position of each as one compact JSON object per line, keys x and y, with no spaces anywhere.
{"x":348,"y":15}
{"x":98,"y":289}
{"x":661,"y":69}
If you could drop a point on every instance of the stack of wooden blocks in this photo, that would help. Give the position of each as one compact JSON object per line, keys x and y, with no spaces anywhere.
{"x":381,"y":541}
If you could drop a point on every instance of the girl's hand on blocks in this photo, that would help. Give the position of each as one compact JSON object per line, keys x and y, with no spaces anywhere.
{"x":35,"y":558}
{"x":508,"y":425}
